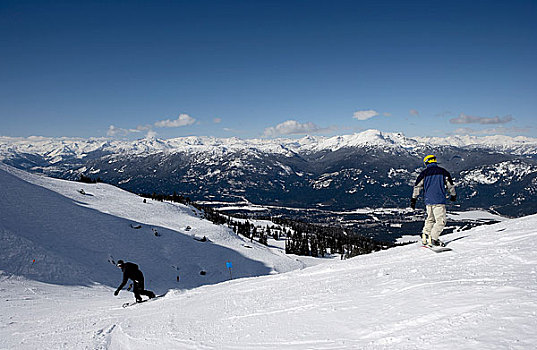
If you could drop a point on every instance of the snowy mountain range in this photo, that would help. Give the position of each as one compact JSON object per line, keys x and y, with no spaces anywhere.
{"x":56,"y":283}
{"x":370,"y":168}
{"x":68,"y":147}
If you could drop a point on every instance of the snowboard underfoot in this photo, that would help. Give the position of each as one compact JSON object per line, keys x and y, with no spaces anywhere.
{"x":141,"y":302}
{"x":437,"y":249}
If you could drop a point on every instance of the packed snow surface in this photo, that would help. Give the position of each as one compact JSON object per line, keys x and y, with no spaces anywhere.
{"x":480,"y":295}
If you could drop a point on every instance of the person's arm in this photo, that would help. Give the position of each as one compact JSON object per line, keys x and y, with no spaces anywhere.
{"x":451,"y":188}
{"x":416,"y":192}
{"x":125,"y":280}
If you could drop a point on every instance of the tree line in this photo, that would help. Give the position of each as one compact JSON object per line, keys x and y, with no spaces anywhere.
{"x":301,"y":238}
{"x":88,"y":179}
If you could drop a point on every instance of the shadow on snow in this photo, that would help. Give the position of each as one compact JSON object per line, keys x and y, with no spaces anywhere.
{"x":51,"y":238}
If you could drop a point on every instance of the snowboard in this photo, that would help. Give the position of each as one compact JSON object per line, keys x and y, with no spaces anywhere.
{"x":132,"y":303}
{"x":437,"y":249}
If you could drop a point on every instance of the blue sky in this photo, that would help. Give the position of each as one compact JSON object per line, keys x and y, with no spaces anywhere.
{"x":267,"y":68}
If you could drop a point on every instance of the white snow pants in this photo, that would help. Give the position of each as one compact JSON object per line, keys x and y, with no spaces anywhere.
{"x":436,"y":220}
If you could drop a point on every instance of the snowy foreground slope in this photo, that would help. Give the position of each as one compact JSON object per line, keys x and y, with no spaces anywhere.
{"x":482,"y":295}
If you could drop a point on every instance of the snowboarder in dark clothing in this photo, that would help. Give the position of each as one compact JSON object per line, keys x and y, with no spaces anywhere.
{"x":131,"y":271}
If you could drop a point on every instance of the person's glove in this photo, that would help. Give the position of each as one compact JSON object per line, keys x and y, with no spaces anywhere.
{"x":413,"y":203}
{"x":116,"y":292}
{"x":453,"y":198}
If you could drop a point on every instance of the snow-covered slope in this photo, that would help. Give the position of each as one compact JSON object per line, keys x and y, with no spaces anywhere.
{"x":481,"y":295}
{"x":72,"y":236}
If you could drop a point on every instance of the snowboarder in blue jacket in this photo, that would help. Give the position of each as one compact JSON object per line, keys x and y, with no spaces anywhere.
{"x":434,"y":180}
{"x":132,"y":272}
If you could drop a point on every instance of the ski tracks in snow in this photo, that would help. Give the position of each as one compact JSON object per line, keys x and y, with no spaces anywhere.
{"x":102,"y":337}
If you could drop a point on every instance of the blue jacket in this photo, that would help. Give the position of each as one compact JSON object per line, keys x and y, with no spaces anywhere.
{"x":434,"y":181}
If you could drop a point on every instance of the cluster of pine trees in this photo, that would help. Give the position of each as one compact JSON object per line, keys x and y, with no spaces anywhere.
{"x":170,"y":198}
{"x":319,"y":240}
{"x":88,"y":179}
{"x":300,"y":238}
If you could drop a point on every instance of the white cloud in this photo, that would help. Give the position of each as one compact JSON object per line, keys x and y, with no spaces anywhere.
{"x":141,"y":128}
{"x":291,"y":127}
{"x":492,"y":131}
{"x":151,"y":134}
{"x":182,"y":120}
{"x":364,"y":115}
{"x":115,"y":131}
{"x":468,"y":119}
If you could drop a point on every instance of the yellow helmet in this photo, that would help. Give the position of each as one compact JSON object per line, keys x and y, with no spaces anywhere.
{"x":429,"y":159}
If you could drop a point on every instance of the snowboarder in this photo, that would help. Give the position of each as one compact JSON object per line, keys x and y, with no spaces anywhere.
{"x":131,"y":271}
{"x":433,"y":180}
